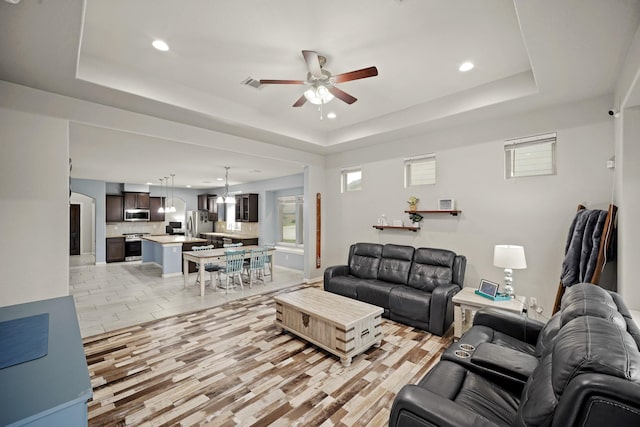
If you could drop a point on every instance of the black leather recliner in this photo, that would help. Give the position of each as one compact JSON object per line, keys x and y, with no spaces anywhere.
{"x":413,"y":286}
{"x":581,"y":368}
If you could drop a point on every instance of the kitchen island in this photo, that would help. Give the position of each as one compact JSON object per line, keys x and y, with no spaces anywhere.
{"x":216,"y":238}
{"x":166,"y":251}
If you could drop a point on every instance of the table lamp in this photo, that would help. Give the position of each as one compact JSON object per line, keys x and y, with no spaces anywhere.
{"x":509,"y":257}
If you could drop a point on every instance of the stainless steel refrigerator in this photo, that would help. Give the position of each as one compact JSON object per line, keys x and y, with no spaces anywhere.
{"x":198,"y":222}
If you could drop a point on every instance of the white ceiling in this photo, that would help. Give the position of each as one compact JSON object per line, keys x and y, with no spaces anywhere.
{"x":527,"y":54}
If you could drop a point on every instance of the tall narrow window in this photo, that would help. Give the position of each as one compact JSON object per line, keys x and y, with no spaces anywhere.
{"x":351,"y":179}
{"x":530,"y":156}
{"x":290,"y":214}
{"x":419,"y":170}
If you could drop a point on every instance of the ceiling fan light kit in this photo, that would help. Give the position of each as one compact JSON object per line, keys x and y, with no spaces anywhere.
{"x":322,"y":82}
{"x":318,"y":95}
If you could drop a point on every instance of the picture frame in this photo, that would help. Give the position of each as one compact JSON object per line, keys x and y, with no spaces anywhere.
{"x":446,"y":204}
{"x":488,"y":288}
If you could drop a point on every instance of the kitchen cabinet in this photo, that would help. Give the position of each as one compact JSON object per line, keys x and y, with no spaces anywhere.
{"x":207,"y":202}
{"x":114,"y":209}
{"x":247,"y":208}
{"x":115,"y":249}
{"x":154,"y":204}
{"x":203,"y":202}
{"x":136,"y":200}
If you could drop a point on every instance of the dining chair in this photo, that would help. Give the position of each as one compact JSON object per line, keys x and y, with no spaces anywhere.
{"x":268,"y":261}
{"x":256,"y":265}
{"x":234,"y":260}
{"x":210,"y":267}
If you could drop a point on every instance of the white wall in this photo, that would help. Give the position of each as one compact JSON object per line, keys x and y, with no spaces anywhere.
{"x":535,"y":212}
{"x":627,"y":100}
{"x":629,"y":227}
{"x":34,"y":219}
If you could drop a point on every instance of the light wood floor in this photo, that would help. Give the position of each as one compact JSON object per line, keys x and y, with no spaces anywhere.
{"x":228,"y":366}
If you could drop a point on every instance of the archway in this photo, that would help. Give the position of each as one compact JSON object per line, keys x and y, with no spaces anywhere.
{"x":87,"y":230}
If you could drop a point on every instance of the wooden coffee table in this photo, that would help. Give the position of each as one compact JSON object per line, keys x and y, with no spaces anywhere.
{"x":340,"y":325}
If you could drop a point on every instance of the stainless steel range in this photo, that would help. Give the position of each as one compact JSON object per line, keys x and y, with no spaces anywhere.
{"x":133,"y":246}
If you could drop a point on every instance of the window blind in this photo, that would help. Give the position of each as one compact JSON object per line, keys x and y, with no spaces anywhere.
{"x":530,"y":156}
{"x":420,"y":170}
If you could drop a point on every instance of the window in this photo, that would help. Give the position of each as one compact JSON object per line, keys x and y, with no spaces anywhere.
{"x":531,"y":156}
{"x":351,"y":179}
{"x":290,"y":211}
{"x":419,"y":170}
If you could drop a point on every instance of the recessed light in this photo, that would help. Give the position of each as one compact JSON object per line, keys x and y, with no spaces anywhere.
{"x":150,"y":183}
{"x":331,"y":115}
{"x":188,"y":186}
{"x":160,"y":45}
{"x":466,"y":66}
{"x":219,"y":179}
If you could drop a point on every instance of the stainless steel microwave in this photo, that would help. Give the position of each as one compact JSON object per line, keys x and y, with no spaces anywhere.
{"x":137,"y":214}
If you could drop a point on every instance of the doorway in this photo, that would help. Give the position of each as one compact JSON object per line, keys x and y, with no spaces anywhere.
{"x":74,"y":229}
{"x":85,"y":232}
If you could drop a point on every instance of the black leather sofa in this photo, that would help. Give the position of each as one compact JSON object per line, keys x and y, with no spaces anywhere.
{"x":581,"y":368}
{"x":413,"y":286}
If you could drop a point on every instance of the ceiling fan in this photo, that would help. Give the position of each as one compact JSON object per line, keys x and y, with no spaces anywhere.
{"x":321,"y":82}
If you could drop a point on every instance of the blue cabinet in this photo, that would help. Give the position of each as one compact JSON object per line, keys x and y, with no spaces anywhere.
{"x":52,"y":390}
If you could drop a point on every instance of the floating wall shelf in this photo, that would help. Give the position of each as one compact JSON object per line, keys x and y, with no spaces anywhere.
{"x":453,"y":213}
{"x":391,"y":227}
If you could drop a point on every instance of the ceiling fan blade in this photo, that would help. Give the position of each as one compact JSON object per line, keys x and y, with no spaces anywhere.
{"x":355,"y":75}
{"x":313,"y":63}
{"x":300,"y":102}
{"x":282,"y":82}
{"x":342,"y":95}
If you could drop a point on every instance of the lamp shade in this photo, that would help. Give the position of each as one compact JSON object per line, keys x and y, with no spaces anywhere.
{"x":509,"y":256}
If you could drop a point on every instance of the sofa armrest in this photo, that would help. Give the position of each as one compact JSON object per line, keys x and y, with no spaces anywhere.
{"x":597,"y":399}
{"x":441,"y":308}
{"x":504,"y":361}
{"x":336,"y":270}
{"x":513,"y":324}
{"x":459,"y":267}
{"x":417,"y":406}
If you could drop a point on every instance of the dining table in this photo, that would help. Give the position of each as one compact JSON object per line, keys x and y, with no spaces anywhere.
{"x":217,"y":256}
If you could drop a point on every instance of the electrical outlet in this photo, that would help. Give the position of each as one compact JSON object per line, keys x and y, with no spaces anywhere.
{"x":533,"y":302}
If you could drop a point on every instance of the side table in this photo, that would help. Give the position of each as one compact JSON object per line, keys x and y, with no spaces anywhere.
{"x":466,"y":302}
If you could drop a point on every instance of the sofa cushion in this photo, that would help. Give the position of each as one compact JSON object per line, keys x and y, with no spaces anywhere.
{"x":431,"y":268}
{"x":410,"y":303}
{"x":364,"y":260}
{"x":472,"y":391}
{"x":592,"y":344}
{"x":586,"y":291}
{"x":375,"y":292}
{"x":343,"y":285}
{"x":395,"y":263}
{"x":547,"y":335}
{"x":538,"y":402}
{"x":589,"y":307}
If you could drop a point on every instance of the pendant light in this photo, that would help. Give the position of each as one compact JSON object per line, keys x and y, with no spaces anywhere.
{"x":226,"y":198}
{"x":161,"y":208}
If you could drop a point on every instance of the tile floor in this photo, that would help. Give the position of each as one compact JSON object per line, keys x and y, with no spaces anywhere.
{"x":117,"y":295}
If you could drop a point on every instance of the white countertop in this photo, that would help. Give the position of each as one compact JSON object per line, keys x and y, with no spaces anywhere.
{"x":231,"y":235}
{"x":167,"y":240}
